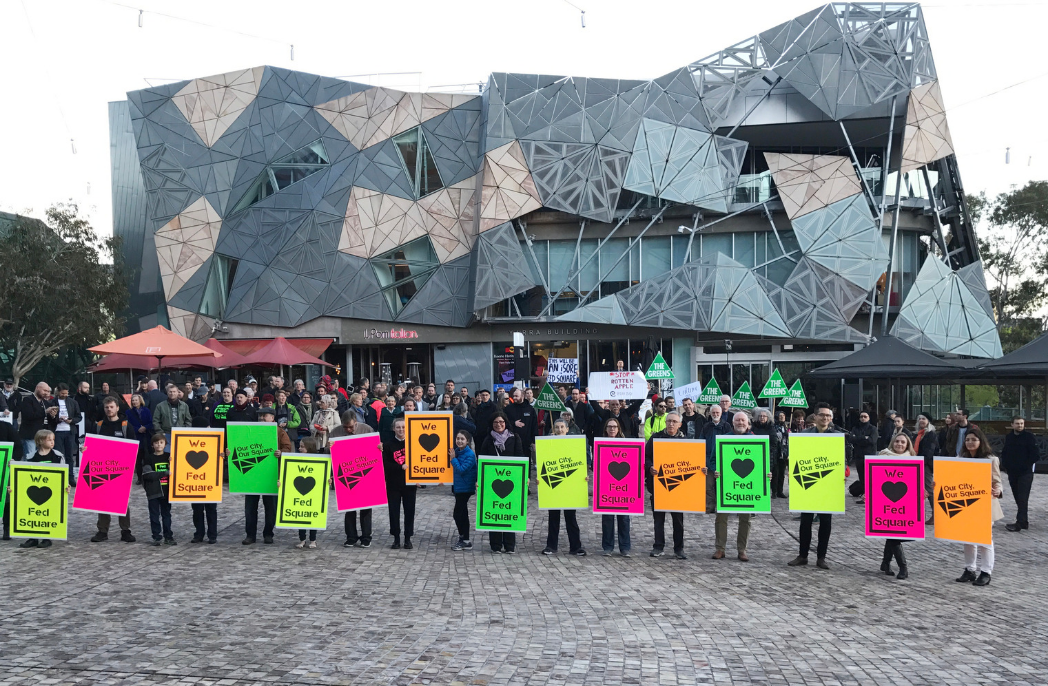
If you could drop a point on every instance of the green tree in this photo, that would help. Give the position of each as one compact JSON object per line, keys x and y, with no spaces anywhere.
{"x":63,"y":285}
{"x":1014,"y":249}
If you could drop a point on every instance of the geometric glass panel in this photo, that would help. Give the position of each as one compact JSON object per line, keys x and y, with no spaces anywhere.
{"x":284,"y":172}
{"x":404,"y":270}
{"x":418,"y":162}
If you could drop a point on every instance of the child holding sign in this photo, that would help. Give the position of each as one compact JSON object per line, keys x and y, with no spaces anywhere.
{"x":464,"y":462}
{"x":155,"y":467}
{"x":45,"y":452}
{"x":976,"y":446}
{"x":900,"y":446}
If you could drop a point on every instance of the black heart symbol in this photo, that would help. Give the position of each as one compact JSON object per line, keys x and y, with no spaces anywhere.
{"x":502,"y":487}
{"x":742,"y":467}
{"x":429,"y":441}
{"x":39,"y":494}
{"x":894,"y":490}
{"x":304,"y":484}
{"x":197,"y":458}
{"x":619,"y":470}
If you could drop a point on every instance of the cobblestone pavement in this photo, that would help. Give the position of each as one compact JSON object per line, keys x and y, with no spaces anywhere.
{"x":116,"y":613}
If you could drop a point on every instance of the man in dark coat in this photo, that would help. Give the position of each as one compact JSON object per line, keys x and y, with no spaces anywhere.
{"x":672,"y":431}
{"x":1019,"y":458}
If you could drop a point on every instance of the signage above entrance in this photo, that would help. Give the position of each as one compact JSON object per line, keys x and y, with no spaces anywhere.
{"x":397,"y":334}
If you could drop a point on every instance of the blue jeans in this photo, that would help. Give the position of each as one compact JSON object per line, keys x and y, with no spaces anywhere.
{"x":160,"y":511}
{"x":66,"y":443}
{"x":607,"y":526}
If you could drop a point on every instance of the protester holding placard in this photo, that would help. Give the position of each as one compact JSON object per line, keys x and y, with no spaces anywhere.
{"x":501,"y":441}
{"x":901,"y":446}
{"x":353,"y":426}
{"x":464,"y":464}
{"x":394,"y":463}
{"x":112,"y":425}
{"x":823,"y":424}
{"x":269,"y":502}
{"x":155,"y":465}
{"x":46,"y":453}
{"x":740,"y":426}
{"x":557,"y":479}
{"x":977,"y":447}
{"x":671,"y":431}
{"x":613,"y":429}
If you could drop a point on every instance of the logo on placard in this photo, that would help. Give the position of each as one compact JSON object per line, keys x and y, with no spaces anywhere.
{"x":808,"y":479}
{"x":429,"y":441}
{"x":671,"y":482}
{"x":619,"y":470}
{"x":39,"y":494}
{"x":554,"y":479}
{"x":349,"y":478}
{"x":304,"y":484}
{"x":742,"y":467}
{"x":502,"y":487}
{"x":244,"y":461}
{"x":197,"y":458}
{"x":95,"y":478}
{"x":954,"y":507}
{"x":894,"y":490}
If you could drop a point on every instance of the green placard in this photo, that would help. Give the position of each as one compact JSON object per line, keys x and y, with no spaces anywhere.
{"x":502,"y":494}
{"x":744,"y":397}
{"x":253,"y":466}
{"x":560,"y":467}
{"x":39,"y":501}
{"x":795,"y":398}
{"x":775,"y":388}
{"x":711,"y":394}
{"x":6,"y":450}
{"x":744,"y":466}
{"x":303,"y":498}
{"x":816,"y":472}
{"x":659,"y":369}
{"x":547,"y":399}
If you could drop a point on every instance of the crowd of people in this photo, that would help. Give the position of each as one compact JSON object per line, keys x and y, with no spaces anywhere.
{"x":45,"y":428}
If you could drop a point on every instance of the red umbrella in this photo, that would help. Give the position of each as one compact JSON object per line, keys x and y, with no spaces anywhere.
{"x":157,"y":342}
{"x":279,"y":352}
{"x":227,"y":358}
{"x":120,"y":361}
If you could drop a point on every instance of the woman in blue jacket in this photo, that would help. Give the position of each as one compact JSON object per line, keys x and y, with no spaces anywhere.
{"x":464,"y":485}
{"x":140,"y":424}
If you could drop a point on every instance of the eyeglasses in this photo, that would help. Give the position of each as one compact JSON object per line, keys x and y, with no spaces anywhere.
{"x":825,"y":415}
{"x":662,"y":407}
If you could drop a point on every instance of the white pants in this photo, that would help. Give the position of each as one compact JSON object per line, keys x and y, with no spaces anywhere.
{"x":970,"y":560}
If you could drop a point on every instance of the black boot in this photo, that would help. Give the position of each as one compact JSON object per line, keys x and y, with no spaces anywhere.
{"x":396,"y":543}
{"x":886,"y":561}
{"x":968,"y":575}
{"x":900,"y":557}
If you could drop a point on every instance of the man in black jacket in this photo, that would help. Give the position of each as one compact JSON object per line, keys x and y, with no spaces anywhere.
{"x":823,"y":424}
{"x":523,"y":421}
{"x":691,"y":422}
{"x":887,"y":428}
{"x":35,"y":411}
{"x":1019,"y":458}
{"x":112,"y":425}
{"x":626,"y":414}
{"x":863,"y":440}
{"x":764,"y":426}
{"x":580,"y":409}
{"x":672,"y":430}
{"x":86,"y":402}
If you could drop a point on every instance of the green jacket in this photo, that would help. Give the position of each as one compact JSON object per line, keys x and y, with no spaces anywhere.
{"x":654,"y":424}
{"x":162,"y":417}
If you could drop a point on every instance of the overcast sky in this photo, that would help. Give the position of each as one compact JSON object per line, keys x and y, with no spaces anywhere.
{"x":65,"y":59}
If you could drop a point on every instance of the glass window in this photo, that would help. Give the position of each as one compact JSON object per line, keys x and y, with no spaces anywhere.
{"x":216,"y":288}
{"x":745,"y":252}
{"x":561,"y":263}
{"x":716,"y":243}
{"x":402,"y":271}
{"x":610,"y":252}
{"x":541,"y":251}
{"x":634,"y":259}
{"x":655,"y":256}
{"x":284,"y":172}
{"x":418,"y":162}
{"x":587,"y":280}
{"x":680,"y":249}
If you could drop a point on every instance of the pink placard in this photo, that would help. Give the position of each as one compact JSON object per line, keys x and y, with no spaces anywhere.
{"x":894,"y":497}
{"x":107,"y":471}
{"x":618,"y":476}
{"x":356,"y":464}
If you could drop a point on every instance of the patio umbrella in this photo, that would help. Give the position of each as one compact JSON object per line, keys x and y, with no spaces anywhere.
{"x":156,"y":343}
{"x":280,"y":351}
{"x":117,"y":361}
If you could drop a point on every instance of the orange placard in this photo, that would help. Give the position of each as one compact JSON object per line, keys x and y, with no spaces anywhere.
{"x":963,"y":500}
{"x":196,"y":465}
{"x":680,"y":485}
{"x":428,"y":438}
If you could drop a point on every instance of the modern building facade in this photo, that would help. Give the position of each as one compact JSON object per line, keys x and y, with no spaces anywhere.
{"x":776,"y":203}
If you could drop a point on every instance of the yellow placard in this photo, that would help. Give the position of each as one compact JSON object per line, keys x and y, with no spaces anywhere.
{"x":428,"y":438}
{"x":963,"y":505}
{"x":196,"y":465}
{"x":679,"y":484}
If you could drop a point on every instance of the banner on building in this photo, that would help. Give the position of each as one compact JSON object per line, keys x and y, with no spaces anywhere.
{"x":547,"y":399}
{"x":711,"y":394}
{"x":107,"y":472}
{"x":795,"y":396}
{"x":502,"y":493}
{"x":39,"y":501}
{"x":428,"y":438}
{"x":963,"y":501}
{"x":679,"y":484}
{"x":196,"y":465}
{"x":617,"y":386}
{"x":302,"y":502}
{"x":253,"y":464}
{"x":894,"y":497}
{"x":360,"y":480}
{"x":816,"y":472}
{"x":618,"y":476}
{"x":562,"y":370}
{"x":775,"y":388}
{"x":560,"y":464}
{"x":743,"y":397}
{"x":744,"y":465}
{"x":659,"y":369}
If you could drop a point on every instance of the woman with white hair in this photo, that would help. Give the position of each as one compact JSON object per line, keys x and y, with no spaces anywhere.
{"x":325,"y":419}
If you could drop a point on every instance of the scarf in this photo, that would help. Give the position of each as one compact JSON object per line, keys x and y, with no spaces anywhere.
{"x":239,"y":407}
{"x":359,"y":411}
{"x":501,"y":438}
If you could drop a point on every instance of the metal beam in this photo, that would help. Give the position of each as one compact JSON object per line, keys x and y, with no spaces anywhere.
{"x":858,"y":168}
{"x":891,"y":253}
{"x":531,"y":249}
{"x":767,"y":213}
{"x":935,"y":212}
{"x":629,"y":247}
{"x":880,"y":214}
{"x":755,"y":106}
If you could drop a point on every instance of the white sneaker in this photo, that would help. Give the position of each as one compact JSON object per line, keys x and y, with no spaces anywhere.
{"x":300,"y":544}
{"x":312,"y":544}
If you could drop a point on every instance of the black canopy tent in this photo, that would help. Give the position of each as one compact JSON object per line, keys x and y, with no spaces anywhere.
{"x":1029,"y":362}
{"x":890,"y":358}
